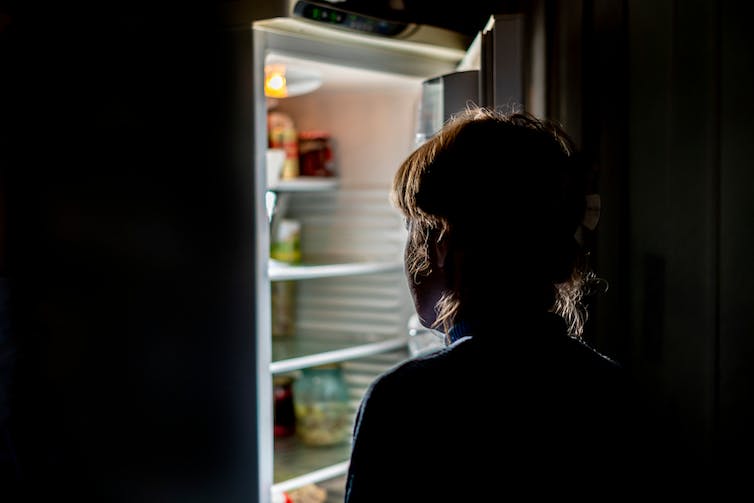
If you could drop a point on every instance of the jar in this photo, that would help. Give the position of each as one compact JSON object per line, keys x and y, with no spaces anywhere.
{"x":285,"y":247}
{"x":283,"y":134}
{"x":284,"y":416}
{"x":285,"y":242}
{"x":315,"y":154}
{"x":323,"y":410}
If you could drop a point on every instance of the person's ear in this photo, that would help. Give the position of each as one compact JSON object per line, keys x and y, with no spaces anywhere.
{"x":441,"y":248}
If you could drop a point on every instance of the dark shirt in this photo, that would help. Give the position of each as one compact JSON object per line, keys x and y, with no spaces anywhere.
{"x":523,"y":408}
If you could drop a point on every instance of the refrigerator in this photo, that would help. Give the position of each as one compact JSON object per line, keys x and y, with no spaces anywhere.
{"x":140,"y":217}
{"x":339,"y":300}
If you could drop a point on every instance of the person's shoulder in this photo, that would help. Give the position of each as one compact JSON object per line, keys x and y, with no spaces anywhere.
{"x":586,"y":370}
{"x":423,"y":370}
{"x":585,"y":354}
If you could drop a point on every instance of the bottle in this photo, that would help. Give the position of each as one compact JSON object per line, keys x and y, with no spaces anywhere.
{"x":286,"y":241}
{"x":323,"y":411}
{"x":285,"y":247}
{"x":284,"y":135}
{"x":283,"y":304}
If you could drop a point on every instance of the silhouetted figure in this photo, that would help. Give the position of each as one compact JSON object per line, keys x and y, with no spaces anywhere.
{"x":517,"y":400}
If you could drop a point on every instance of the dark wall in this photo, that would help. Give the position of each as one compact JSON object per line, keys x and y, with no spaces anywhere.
{"x":691,"y":211}
{"x":674,"y":196}
{"x":660,"y":103}
{"x":736,"y":215}
{"x":128,"y":257}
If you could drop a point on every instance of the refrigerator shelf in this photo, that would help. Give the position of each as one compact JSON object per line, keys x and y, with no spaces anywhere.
{"x":280,"y":271}
{"x":297,"y":465}
{"x":295,"y":353}
{"x":305,"y":184}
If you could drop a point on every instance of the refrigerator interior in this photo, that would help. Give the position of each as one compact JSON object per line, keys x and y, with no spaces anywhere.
{"x":352,"y":305}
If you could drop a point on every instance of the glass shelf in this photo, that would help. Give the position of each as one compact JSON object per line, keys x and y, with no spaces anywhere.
{"x":276,"y":196}
{"x":298,"y":352}
{"x":305,"y":184}
{"x":280,"y":271}
{"x":297,"y":464}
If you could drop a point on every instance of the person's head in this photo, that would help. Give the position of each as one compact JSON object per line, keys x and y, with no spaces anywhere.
{"x":492,"y":203}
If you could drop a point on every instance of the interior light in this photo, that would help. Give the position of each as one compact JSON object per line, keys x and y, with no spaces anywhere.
{"x":275,"y":85}
{"x":285,"y":79}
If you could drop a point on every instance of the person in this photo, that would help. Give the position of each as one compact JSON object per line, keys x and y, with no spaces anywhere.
{"x":516,"y":399}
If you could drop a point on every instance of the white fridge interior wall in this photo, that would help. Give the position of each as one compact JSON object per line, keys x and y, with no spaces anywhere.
{"x":371,"y":118}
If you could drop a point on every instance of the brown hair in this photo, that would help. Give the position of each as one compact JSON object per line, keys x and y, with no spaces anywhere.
{"x":489,"y":177}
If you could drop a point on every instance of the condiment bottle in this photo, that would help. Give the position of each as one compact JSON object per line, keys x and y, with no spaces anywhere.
{"x":285,"y":247}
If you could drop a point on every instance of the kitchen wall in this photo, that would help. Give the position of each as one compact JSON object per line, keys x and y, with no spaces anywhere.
{"x":657,"y":95}
{"x":371,"y":132}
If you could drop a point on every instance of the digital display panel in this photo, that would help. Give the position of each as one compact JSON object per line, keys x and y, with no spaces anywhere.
{"x":349,"y":20}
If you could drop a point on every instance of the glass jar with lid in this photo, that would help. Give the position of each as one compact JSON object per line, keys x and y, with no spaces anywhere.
{"x":315,"y":153}
{"x":321,"y":401}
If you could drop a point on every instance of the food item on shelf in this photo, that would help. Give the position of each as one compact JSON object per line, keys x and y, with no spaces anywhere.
{"x":283,"y":134}
{"x":283,"y":413}
{"x":286,"y":241}
{"x":283,"y":302}
{"x":323,"y":411}
{"x":281,"y":497}
{"x":275,"y":159}
{"x":310,"y":493}
{"x":315,"y":153}
{"x":285,"y":247}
